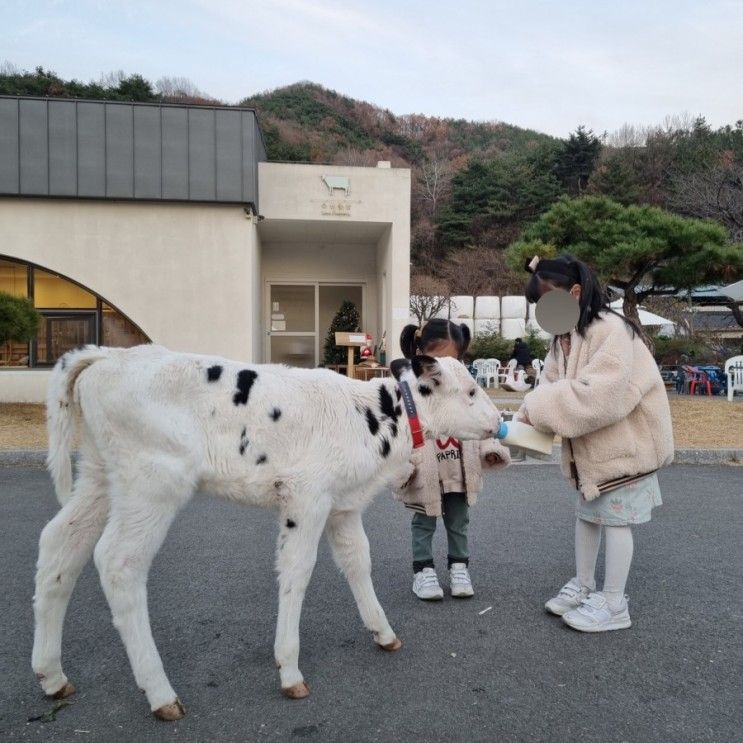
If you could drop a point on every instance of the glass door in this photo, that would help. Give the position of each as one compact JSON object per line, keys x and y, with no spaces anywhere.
{"x":299,"y":317}
{"x":292,"y":325}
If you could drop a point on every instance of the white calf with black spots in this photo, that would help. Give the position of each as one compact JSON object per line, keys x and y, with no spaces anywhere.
{"x":156,"y":426}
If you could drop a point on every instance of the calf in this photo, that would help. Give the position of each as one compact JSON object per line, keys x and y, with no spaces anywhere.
{"x":155,"y":426}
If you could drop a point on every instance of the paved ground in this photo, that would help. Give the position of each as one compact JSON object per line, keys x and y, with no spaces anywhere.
{"x":510,"y":674}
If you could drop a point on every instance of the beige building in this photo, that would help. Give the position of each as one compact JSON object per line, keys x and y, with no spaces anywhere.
{"x":220,"y":252}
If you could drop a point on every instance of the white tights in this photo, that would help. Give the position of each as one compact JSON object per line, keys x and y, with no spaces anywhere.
{"x":619,"y":547}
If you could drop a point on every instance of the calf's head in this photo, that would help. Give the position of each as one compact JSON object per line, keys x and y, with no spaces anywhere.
{"x":449,"y":401}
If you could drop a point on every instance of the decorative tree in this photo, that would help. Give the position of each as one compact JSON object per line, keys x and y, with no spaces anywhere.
{"x":346,"y":320}
{"x":642,"y":250}
{"x":19,"y":321}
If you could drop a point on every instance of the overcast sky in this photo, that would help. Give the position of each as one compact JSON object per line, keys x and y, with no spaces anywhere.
{"x":546,"y":65}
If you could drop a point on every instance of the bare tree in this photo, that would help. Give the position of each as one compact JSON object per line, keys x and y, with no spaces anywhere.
{"x":179,"y":88}
{"x":428,"y":296}
{"x":478,"y":271}
{"x":433,"y":182}
{"x":715,"y":193}
{"x":8,"y":68}
{"x":112,"y":79}
{"x":354,"y":156}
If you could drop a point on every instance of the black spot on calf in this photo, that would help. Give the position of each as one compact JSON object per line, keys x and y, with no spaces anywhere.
{"x":213,"y":373}
{"x":275,"y":414}
{"x":262,"y":459}
{"x":290,"y":524}
{"x":393,"y":430}
{"x":243,"y":441}
{"x":372,"y":422}
{"x":425,"y":391}
{"x":398,"y":410}
{"x":245,"y":379}
{"x":386,"y":403}
{"x":385,"y":447}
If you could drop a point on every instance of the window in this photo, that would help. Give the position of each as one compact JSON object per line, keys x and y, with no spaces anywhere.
{"x":72,"y":316}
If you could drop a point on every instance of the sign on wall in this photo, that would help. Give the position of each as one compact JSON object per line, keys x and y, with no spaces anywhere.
{"x":338,"y":203}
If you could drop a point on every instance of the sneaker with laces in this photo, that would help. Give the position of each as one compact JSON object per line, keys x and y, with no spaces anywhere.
{"x":426,"y":585}
{"x":595,"y":614}
{"x":569,"y":597}
{"x":460,"y":581}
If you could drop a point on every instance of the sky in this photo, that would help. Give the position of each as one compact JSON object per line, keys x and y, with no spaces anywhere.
{"x":546,"y":65}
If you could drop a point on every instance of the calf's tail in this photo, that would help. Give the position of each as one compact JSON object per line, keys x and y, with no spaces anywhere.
{"x":62,"y":413}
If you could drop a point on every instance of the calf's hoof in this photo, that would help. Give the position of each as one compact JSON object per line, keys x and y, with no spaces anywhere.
{"x":171,"y":712}
{"x":392,"y":646}
{"x":298,"y":691}
{"x":66,"y":691}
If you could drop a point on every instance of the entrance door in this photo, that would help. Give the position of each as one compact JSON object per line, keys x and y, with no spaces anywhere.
{"x":299,"y":317}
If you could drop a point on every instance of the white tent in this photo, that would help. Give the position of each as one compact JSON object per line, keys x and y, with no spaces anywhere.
{"x":648,"y":318}
{"x":734,"y":291}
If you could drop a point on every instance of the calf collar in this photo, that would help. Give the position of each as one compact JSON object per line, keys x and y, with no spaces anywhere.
{"x":415,"y":425}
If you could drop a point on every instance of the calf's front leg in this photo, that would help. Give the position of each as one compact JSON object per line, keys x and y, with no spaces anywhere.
{"x":301,"y":529}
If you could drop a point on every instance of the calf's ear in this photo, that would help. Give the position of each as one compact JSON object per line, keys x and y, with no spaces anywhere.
{"x":426,"y":367}
{"x":398,"y":366}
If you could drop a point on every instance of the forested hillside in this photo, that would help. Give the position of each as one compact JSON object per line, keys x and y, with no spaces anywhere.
{"x":476,"y":185}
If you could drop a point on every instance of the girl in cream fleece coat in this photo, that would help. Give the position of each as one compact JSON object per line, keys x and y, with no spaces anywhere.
{"x":447,"y":477}
{"x":601,"y":391}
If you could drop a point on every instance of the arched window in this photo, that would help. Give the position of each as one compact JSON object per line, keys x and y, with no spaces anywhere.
{"x":71,"y":316}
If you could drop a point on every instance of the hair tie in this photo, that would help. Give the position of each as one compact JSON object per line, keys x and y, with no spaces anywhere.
{"x":532,"y":265}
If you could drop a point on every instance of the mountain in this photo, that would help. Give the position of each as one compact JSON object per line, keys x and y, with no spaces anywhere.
{"x":307,"y":122}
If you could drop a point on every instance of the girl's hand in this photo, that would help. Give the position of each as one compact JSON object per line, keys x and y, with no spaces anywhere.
{"x":524,"y":418}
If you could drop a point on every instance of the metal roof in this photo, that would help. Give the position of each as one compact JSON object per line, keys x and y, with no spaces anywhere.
{"x":75,"y":148}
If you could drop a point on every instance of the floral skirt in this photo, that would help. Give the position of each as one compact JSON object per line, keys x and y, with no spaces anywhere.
{"x":630,"y":504}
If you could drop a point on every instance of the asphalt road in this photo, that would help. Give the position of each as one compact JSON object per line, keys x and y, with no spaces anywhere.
{"x":513,"y":673}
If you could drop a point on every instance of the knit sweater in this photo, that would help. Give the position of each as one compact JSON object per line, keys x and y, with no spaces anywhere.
{"x":609,"y":404}
{"x":422,"y":491}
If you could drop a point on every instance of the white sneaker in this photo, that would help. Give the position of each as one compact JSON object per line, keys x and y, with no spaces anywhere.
{"x":460,"y":581}
{"x":569,"y":597}
{"x":426,"y":585}
{"x":595,"y":615}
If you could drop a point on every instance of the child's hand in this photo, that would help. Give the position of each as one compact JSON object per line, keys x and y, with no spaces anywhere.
{"x":494,"y":454}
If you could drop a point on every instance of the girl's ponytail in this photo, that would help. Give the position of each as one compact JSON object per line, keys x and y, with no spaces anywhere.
{"x":409,"y":341}
{"x":464,"y":341}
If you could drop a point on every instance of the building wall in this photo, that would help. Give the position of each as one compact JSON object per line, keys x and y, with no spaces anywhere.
{"x":185,"y":273}
{"x":377,"y":196}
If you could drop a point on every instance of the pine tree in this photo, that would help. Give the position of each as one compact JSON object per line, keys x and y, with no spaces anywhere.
{"x":346,"y":320}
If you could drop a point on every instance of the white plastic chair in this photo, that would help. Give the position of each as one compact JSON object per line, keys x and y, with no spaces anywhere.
{"x":734,"y":373}
{"x":479,"y":367}
{"x":492,"y":372}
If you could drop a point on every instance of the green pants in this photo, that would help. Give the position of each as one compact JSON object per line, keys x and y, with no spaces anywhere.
{"x":456,"y":518}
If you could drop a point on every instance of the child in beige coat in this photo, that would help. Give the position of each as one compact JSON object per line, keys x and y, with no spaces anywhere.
{"x":601,"y":391}
{"x":447,"y":477}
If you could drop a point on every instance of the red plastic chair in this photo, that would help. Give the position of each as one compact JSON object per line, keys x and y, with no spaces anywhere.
{"x":697,"y":378}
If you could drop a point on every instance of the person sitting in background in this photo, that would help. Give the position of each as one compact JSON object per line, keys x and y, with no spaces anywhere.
{"x":521,"y":353}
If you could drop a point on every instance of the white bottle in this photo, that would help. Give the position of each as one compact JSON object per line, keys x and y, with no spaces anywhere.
{"x":523,"y":436}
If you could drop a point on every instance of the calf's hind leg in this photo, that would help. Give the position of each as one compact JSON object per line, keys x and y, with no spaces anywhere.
{"x":65,"y":546}
{"x":136,"y":529}
{"x":351,"y":552}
